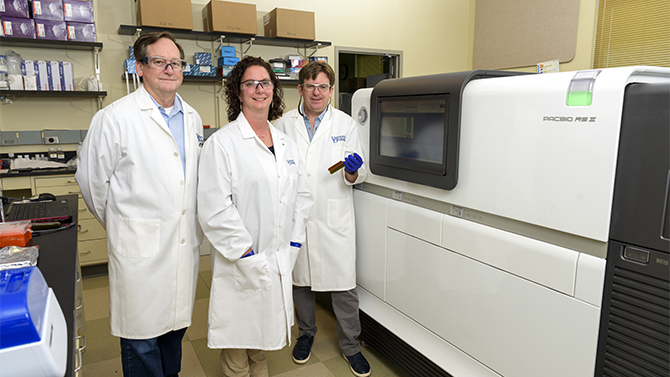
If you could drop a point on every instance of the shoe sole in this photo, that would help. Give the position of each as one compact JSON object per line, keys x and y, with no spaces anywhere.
{"x":301,"y":361}
{"x":353,"y":371}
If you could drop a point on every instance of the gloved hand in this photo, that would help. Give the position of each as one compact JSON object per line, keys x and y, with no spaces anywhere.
{"x":352,"y":163}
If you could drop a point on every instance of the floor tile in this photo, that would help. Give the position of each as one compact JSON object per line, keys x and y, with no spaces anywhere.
{"x":198,"y":328}
{"x":206,"y":276}
{"x":209,"y":358}
{"x":100,"y":344}
{"x":201,"y":289}
{"x":96,"y":303}
{"x":107,"y":368}
{"x":190,"y":364}
{"x":205,"y":262}
{"x":315,"y":370}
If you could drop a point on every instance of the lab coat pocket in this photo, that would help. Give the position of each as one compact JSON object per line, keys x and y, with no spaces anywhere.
{"x":138,"y":238}
{"x":252,"y":273}
{"x":339,"y":213}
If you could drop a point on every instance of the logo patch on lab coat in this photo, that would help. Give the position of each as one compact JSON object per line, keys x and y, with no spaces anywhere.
{"x":290,"y":162}
{"x":341,"y":138}
{"x":201,"y":140}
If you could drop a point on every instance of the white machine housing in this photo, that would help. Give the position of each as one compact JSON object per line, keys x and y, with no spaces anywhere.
{"x":502,"y":275}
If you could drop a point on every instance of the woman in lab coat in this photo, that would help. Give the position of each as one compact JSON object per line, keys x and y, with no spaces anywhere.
{"x":253,"y":202}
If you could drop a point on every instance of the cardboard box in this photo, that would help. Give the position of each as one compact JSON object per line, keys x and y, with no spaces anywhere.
{"x":229,"y":17}
{"x":356,"y":82}
{"x":66,"y":76}
{"x":288,"y":23}
{"x":174,"y":14}
{"x":53,"y":71}
{"x":19,"y":28}
{"x":78,"y":11}
{"x":47,"y":29}
{"x":48,"y":10}
{"x":14,"y":8}
{"x":42,"y":75}
{"x":81,"y":32}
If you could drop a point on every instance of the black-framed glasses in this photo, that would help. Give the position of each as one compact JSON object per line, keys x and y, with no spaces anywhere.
{"x":161,"y":62}
{"x":253,"y":84}
{"x":311,"y":87}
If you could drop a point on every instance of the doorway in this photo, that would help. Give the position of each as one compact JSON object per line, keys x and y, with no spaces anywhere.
{"x":357,"y":68}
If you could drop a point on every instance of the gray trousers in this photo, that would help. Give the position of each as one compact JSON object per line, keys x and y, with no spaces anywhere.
{"x":345,"y":307}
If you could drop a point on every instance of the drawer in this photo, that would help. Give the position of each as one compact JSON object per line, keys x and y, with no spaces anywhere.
{"x":84,"y":213}
{"x":60,"y":190}
{"x":16,"y":183}
{"x":64,"y":180}
{"x":90,"y":229}
{"x":92,"y":252}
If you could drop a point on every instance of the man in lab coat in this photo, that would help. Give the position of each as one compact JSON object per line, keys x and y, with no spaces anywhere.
{"x":327,"y":261}
{"x":137,"y":170}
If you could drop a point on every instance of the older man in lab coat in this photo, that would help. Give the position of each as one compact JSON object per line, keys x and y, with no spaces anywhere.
{"x":327,"y":262}
{"x":137,"y":170}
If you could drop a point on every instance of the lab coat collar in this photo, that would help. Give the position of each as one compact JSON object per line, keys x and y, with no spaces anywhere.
{"x":145,"y":103}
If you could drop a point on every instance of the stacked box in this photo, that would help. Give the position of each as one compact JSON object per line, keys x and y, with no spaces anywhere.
{"x":203,"y":58}
{"x":226,"y":60}
{"x":78,"y":11}
{"x":53,"y":71}
{"x":323,"y":59}
{"x":176,"y":14}
{"x":28,"y":69}
{"x":18,"y":27}
{"x":42,"y":75}
{"x":14,"y":8}
{"x":289,"y":23}
{"x":81,"y":32}
{"x":66,"y":76}
{"x":48,"y":10}
{"x":131,"y":53}
{"x":129,"y":66}
{"x":204,"y":70}
{"x":229,"y":17}
{"x":48,"y":29}
{"x":188,"y":70}
{"x":224,"y":70}
{"x":228,"y":51}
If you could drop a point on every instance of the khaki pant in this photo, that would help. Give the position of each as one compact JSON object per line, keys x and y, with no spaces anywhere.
{"x":243,"y":363}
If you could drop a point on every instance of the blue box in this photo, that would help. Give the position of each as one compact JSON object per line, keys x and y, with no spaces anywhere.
{"x":188,"y":70}
{"x":42,"y":75}
{"x":47,"y":29}
{"x":131,"y":53}
{"x":19,"y":27}
{"x":129,"y":66}
{"x":224,"y":70}
{"x":203,"y":58}
{"x":204,"y":70}
{"x":228,"y":61}
{"x":19,"y":9}
{"x":48,"y":10}
{"x":53,"y":71}
{"x":228,"y":51}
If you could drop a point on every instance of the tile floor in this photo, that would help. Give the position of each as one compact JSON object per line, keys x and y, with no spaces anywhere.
{"x":102,"y":357}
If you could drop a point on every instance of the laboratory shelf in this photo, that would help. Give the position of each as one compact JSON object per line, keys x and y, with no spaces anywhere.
{"x":46,"y":43}
{"x":225,"y":37}
{"x":40,"y":93}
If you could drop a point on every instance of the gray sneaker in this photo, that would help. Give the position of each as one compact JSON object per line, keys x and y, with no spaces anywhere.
{"x":358,"y":365}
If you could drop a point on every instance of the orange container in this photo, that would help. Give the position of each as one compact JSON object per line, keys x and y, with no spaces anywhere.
{"x":15,"y":233}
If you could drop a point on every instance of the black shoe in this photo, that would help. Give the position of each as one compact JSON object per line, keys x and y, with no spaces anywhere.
{"x":303,"y":349}
{"x":359,"y":366}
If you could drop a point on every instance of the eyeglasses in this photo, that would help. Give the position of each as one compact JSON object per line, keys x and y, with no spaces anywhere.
{"x":311,"y":87}
{"x":253,"y":84}
{"x":161,"y":62}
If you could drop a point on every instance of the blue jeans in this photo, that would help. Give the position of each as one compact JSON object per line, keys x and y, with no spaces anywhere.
{"x":155,"y":357}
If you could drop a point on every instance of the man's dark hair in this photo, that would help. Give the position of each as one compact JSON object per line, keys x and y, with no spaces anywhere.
{"x":312,"y":69}
{"x":234,"y":89}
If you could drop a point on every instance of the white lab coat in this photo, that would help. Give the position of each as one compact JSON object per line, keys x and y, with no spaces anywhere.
{"x":247,"y":197}
{"x":327,"y":262}
{"x":131,"y":177}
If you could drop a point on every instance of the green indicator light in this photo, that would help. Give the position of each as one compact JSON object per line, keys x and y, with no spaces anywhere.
{"x":579,"y":98}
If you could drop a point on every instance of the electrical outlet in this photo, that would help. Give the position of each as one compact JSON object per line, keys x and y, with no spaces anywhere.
{"x":51,"y":140}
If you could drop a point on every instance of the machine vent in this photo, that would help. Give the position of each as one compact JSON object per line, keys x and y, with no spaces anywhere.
{"x":638,"y":333}
{"x":396,"y":350}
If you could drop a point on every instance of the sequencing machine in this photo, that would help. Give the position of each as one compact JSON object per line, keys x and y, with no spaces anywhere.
{"x":517,"y":225}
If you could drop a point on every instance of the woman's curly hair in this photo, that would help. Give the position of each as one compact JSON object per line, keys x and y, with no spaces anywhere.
{"x":233,"y":89}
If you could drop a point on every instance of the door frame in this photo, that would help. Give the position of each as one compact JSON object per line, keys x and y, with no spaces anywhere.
{"x":396,"y":54}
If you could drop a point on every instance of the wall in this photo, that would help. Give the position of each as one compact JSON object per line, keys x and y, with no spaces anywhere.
{"x":435,"y":36}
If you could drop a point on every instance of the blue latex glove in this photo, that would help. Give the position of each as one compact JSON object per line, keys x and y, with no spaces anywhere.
{"x":352,"y":163}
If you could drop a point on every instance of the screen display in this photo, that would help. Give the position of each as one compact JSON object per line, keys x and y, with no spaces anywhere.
{"x":414,"y":129}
